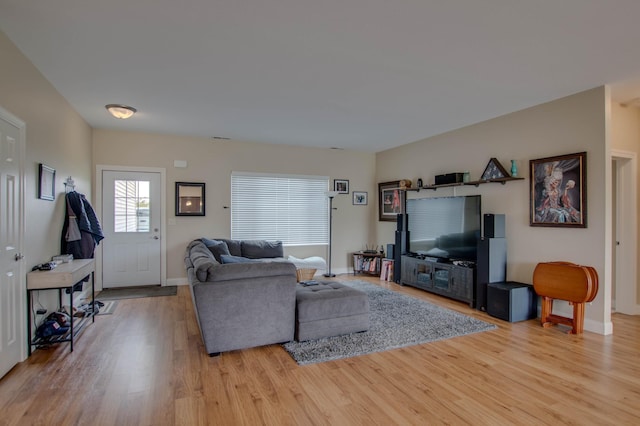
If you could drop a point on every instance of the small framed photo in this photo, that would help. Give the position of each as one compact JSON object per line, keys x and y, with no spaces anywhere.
{"x":341,"y":186}
{"x":359,"y":198}
{"x":390,"y":201}
{"x":558,"y":194}
{"x":46,"y":183}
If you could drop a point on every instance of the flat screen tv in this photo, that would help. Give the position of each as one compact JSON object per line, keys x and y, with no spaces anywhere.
{"x":444,"y":227}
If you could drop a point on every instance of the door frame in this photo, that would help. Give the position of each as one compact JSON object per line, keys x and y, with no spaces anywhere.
{"x":23,"y":315}
{"x":626,"y":280}
{"x":163,"y":214}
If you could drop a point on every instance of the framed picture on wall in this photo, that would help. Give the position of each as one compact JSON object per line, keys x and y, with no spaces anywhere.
{"x":341,"y":186}
{"x":46,"y":182}
{"x":390,"y":201}
{"x":359,"y":198}
{"x":558,"y":193}
{"x":190,"y":199}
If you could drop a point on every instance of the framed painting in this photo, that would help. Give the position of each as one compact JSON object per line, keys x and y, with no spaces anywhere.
{"x":390,"y":201}
{"x":359,"y":198}
{"x":46,"y":182}
{"x":558,"y":194}
{"x":190,"y":200}
{"x":341,"y":186}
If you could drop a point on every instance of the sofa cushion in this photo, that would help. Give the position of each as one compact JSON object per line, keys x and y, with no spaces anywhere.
{"x":259,"y":249}
{"x":217,"y":248}
{"x":227,"y":258}
{"x":234,"y":246}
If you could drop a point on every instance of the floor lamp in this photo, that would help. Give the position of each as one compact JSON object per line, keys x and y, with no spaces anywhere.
{"x":330,"y":194}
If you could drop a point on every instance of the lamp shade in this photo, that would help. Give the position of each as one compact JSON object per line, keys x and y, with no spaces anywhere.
{"x":120,"y":111}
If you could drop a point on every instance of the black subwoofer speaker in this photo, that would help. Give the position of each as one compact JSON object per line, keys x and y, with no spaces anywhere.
{"x":511,"y":301}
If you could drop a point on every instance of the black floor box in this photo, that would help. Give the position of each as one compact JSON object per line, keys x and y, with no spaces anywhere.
{"x":511,"y":301}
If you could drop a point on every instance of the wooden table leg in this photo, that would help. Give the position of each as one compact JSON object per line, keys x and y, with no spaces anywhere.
{"x":545,"y":313}
{"x":578,"y":318}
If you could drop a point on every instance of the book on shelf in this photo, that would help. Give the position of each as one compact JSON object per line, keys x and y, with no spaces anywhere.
{"x":363,"y":263}
{"x":386,"y":270}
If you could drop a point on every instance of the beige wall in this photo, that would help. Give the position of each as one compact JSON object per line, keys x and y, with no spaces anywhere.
{"x":568,"y":125}
{"x":212,"y":161}
{"x":56,"y":136}
{"x":625,"y":136}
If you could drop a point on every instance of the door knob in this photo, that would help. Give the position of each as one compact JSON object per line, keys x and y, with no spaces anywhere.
{"x":18,"y":257}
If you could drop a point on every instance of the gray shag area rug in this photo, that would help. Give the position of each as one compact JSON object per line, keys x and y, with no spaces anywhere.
{"x":396,"y":321}
{"x":136,"y":292}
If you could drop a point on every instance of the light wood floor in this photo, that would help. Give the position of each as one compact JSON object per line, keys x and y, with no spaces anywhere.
{"x":145,"y":365}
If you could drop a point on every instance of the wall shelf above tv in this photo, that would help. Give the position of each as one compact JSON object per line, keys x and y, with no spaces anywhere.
{"x":474,"y":183}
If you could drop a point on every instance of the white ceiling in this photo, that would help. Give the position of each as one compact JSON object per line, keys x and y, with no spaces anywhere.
{"x":355,"y":74}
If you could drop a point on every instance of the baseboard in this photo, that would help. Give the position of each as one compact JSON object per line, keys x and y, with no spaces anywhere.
{"x":336,"y":271}
{"x":598,"y":327}
{"x":177,"y":281}
{"x":80,"y":297}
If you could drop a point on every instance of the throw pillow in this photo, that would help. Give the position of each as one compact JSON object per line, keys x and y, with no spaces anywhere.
{"x":234,"y":246}
{"x":235,"y":259}
{"x":260,"y":249}
{"x":216,"y":247}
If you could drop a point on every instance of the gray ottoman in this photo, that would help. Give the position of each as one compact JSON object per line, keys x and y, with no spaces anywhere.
{"x":330,"y":309}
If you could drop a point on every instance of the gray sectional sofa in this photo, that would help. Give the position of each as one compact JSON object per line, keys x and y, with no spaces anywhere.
{"x":244,"y":293}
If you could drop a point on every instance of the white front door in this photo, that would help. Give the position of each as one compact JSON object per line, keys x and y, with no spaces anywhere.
{"x":12,"y":275}
{"x":131,"y":206}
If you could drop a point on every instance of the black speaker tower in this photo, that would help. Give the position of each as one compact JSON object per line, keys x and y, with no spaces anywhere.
{"x":400,"y":248}
{"x":491,"y":265}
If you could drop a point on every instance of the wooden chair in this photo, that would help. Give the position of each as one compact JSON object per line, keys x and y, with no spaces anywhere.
{"x":576,"y":284}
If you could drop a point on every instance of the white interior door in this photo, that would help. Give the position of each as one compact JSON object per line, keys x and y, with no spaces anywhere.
{"x":131,"y":210}
{"x":12,"y":276}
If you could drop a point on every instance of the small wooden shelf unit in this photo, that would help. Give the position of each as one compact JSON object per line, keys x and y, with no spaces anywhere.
{"x":367,"y":263}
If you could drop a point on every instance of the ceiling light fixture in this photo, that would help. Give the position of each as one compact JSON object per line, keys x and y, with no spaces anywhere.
{"x":120,"y":111}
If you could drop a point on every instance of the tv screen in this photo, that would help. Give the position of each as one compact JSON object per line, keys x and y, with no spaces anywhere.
{"x":444,"y":227}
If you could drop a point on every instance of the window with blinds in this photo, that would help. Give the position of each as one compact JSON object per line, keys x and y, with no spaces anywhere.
{"x":292,"y":209}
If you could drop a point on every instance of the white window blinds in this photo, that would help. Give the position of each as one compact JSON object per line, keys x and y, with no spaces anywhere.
{"x":292,"y":209}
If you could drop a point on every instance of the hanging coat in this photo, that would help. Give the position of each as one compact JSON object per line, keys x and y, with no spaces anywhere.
{"x":80,"y":216}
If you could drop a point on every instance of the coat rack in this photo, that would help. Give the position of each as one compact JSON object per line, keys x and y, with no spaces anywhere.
{"x":69,"y":185}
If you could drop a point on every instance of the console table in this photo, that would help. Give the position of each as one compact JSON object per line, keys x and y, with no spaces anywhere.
{"x":64,"y":276}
